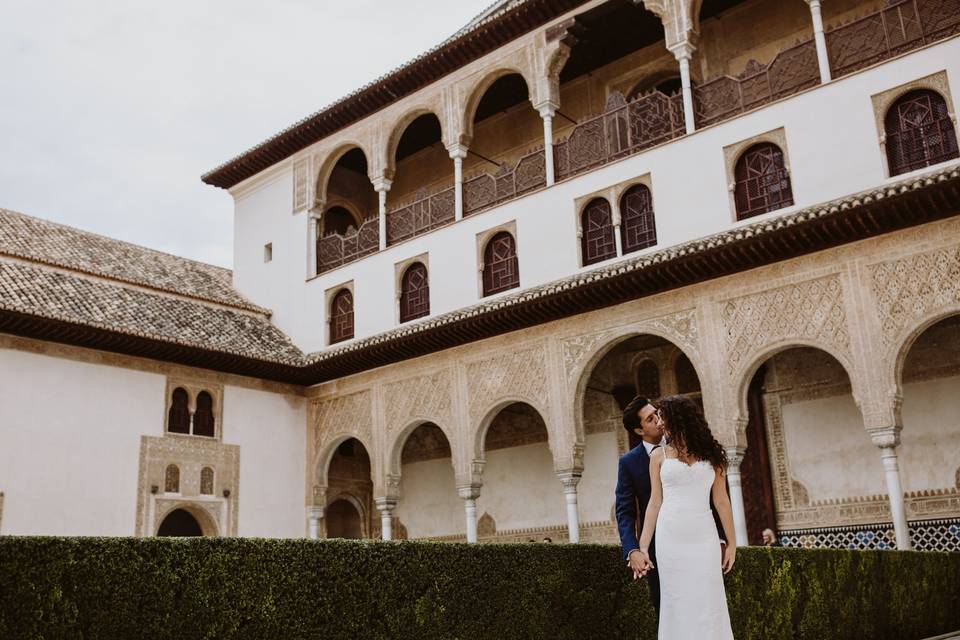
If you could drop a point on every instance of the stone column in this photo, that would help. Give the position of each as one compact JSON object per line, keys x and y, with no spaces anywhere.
{"x":887,"y":440}
{"x":459,"y":153}
{"x":617,"y":232}
{"x":570,"y":480}
{"x":312,"y":235}
{"x":823,"y":58}
{"x":382,"y":186}
{"x":470,"y":493}
{"x":386,"y":507}
{"x":313,"y":518}
{"x":683,"y":52}
{"x":734,"y":460}
{"x":547,"y":111}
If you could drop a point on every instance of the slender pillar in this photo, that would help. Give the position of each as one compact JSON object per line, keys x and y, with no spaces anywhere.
{"x":683,"y":52}
{"x":382,"y":186}
{"x":570,"y":480}
{"x":313,"y":519}
{"x":386,"y":507}
{"x":887,"y":440}
{"x":312,"y":235}
{"x":470,"y":494}
{"x":547,"y":110}
{"x":459,"y":153}
{"x":617,"y":233}
{"x":734,"y":460}
{"x":823,"y":59}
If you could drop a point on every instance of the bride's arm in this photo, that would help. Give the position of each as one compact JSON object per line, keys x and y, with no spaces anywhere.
{"x":653,"y":507}
{"x":722,"y":503}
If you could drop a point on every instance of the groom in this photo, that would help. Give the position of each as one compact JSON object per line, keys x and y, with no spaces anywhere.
{"x":633,"y":490}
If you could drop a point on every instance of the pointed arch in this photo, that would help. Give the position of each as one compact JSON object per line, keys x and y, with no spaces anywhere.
{"x":389,"y":159}
{"x":395,"y":448}
{"x":325,"y":170}
{"x":476,"y":92}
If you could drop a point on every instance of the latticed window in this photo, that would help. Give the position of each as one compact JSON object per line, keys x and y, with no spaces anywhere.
{"x":203,"y":422}
{"x":919,"y":132}
{"x":178,"y":418}
{"x":648,"y":380}
{"x":341,"y":316}
{"x":414,"y":293}
{"x":762,"y":181}
{"x":501,"y":271}
{"x":206,"y":481}
{"x":171,"y":481}
{"x":637,"y":227}
{"x":597,"y":240}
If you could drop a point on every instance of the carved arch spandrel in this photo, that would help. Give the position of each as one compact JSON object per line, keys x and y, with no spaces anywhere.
{"x":335,"y":420}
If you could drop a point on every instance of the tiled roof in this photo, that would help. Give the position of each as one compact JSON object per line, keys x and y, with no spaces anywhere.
{"x":36,"y":290}
{"x":55,"y":244}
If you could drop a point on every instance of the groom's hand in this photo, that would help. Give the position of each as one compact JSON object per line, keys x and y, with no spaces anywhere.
{"x":637,"y":563}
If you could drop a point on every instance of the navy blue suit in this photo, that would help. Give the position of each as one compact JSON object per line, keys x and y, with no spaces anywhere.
{"x":632,"y":497}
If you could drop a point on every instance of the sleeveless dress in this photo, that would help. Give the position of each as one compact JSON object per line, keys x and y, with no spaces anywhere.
{"x":693,"y":603}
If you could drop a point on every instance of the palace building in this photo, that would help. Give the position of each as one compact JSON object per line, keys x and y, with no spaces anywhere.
{"x":447,"y":284}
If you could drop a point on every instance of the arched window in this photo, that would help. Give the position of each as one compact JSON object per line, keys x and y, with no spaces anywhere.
{"x":341,"y":316}
{"x":637,"y":227}
{"x":919,"y":132}
{"x":597,"y":240}
{"x":203,"y":423}
{"x":206,"y":481}
{"x":648,"y":380}
{"x":414,"y":293}
{"x":501,"y":271}
{"x":762,"y":181}
{"x":171,"y":481}
{"x":178,"y":418}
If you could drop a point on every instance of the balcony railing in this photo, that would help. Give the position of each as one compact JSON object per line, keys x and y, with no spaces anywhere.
{"x":490,"y":189}
{"x":424,"y":214}
{"x":624,"y":128}
{"x":335,"y":250}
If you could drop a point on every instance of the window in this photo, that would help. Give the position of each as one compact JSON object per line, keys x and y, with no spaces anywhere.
{"x":919,"y":132}
{"x":171,"y":482}
{"x":341,"y":316}
{"x":203,"y":422}
{"x":637,"y":227}
{"x":414,"y":293}
{"x":597,"y":241}
{"x":501,"y":271}
{"x":268,"y":252}
{"x":762,"y":181}
{"x":206,"y":481}
{"x":178,"y":418}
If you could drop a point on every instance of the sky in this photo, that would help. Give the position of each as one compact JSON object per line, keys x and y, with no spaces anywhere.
{"x":111,"y":110}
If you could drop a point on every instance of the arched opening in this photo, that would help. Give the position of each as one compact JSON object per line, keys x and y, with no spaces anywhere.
{"x":762,"y":181}
{"x":421,"y":197}
{"x":349,"y":475}
{"x":520,"y":488}
{"x":597,"y":237}
{"x":501,"y":267}
{"x":178,"y":418}
{"x":506,"y":155}
{"x":352,"y":230}
{"x":203,"y":420}
{"x":171,"y":479}
{"x":919,"y":132}
{"x":414,"y":293}
{"x":805,"y":444}
{"x":638,"y":229}
{"x":206,"y":481}
{"x":341,"y":316}
{"x":180,"y":522}
{"x":343,"y":520}
{"x":930,"y":440}
{"x":429,"y":506}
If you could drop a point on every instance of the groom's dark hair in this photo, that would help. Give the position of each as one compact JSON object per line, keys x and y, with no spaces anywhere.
{"x":631,"y":413}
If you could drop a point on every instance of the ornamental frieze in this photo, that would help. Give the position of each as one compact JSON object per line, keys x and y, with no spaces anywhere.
{"x":519,"y":374}
{"x":426,"y":397}
{"x":343,"y":415}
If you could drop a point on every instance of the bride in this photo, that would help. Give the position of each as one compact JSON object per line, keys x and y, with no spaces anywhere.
{"x":683,"y":475}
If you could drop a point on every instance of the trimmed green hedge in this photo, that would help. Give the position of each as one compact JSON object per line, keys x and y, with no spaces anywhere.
{"x":124,"y":588}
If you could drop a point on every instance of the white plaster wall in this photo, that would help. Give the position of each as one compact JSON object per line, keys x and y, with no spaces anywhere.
{"x":429,"y":504}
{"x":930,"y":449}
{"x":599,"y":481}
{"x":271,"y":431}
{"x":831,"y":143}
{"x":70,"y":444}
{"x":521,"y":490}
{"x":829,"y":450}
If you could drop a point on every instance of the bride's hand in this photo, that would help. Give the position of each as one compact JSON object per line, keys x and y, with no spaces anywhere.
{"x":729,"y":557}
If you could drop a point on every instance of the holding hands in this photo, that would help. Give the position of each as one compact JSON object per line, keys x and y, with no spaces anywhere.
{"x":639,"y":562}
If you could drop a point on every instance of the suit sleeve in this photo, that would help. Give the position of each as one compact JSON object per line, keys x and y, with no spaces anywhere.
{"x":626,"y":508}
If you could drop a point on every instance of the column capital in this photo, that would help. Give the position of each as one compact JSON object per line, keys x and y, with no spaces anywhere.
{"x":381,"y":184}
{"x":546,"y":108}
{"x":814,"y":3}
{"x":886,"y":437}
{"x":470,"y":491}
{"x":735,"y":456}
{"x":570,"y":480}
{"x":315,"y":512}
{"x":684,"y":49}
{"x":457,"y":150}
{"x":385,"y":505}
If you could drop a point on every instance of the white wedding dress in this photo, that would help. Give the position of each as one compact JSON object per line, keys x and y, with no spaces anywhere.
{"x":693,"y":603}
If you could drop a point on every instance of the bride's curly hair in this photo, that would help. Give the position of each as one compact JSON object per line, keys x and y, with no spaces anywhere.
{"x":687,"y":430}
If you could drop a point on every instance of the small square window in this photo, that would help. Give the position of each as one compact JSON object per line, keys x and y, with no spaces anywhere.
{"x":268,"y":252}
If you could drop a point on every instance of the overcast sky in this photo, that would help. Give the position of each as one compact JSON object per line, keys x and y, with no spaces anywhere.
{"x":111,"y":110}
